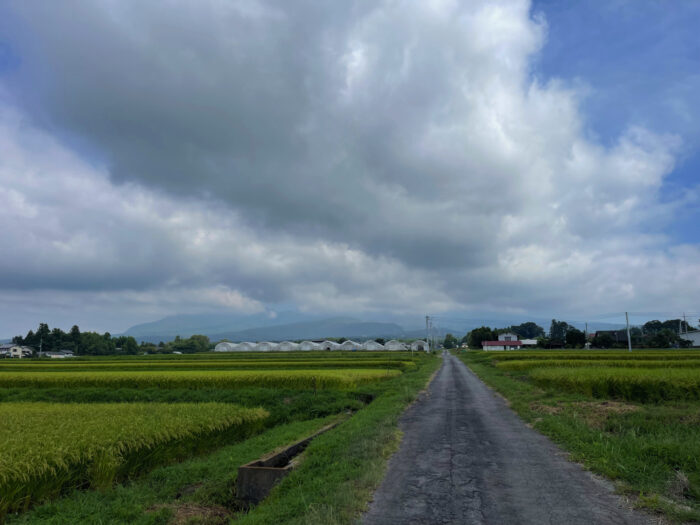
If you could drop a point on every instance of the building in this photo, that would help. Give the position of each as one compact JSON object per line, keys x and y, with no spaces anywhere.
{"x":287,"y":346}
{"x":394,"y":345}
{"x":246,"y":346}
{"x":18,"y":352}
{"x":420,"y":346}
{"x":529,"y":342}
{"x":225,"y":346}
{"x":693,"y":337}
{"x":265,"y":346}
{"x":63,"y":354}
{"x":330,"y":345}
{"x":508,"y":336}
{"x":350,"y":345}
{"x":309,"y":345}
{"x":501,"y":345}
{"x":371,"y":344}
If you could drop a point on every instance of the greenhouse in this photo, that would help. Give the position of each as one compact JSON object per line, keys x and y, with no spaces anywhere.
{"x":287,"y":346}
{"x":225,"y":346}
{"x":394,"y":345}
{"x":350,"y":345}
{"x":330,"y":345}
{"x":265,"y":346}
{"x":245,"y":347}
{"x":372,"y":345}
{"x":419,"y":345}
{"x":309,"y":345}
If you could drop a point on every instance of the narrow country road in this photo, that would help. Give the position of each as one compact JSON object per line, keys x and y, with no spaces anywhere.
{"x":467,"y":458}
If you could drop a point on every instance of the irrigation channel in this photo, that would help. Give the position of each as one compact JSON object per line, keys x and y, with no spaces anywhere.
{"x":467,"y":458}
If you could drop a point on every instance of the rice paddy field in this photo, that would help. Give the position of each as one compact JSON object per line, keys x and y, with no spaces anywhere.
{"x":158,"y":439}
{"x":633,"y":417}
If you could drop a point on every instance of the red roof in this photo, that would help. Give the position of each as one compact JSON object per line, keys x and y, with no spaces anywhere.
{"x":501,"y":343}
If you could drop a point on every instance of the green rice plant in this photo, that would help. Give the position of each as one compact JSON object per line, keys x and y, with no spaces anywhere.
{"x":639,"y":384}
{"x":48,"y":448}
{"x":305,"y":379}
{"x":593,"y":354}
{"x":529,"y":364}
{"x":239,"y":364}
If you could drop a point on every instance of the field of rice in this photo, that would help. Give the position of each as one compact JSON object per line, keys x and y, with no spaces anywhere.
{"x":48,"y":448}
{"x":644,"y":376}
{"x":306,"y":379}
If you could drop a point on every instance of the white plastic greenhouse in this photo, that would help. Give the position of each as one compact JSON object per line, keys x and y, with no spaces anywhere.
{"x":420,"y":346}
{"x":265,"y":346}
{"x":309,"y":345}
{"x":245,"y":347}
{"x":372,"y":345}
{"x":330,"y":345}
{"x":394,"y":345}
{"x":350,"y":345}
{"x":225,"y":346}
{"x":287,"y":346}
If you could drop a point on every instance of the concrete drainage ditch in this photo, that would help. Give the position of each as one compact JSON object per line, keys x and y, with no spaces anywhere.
{"x":256,"y":479}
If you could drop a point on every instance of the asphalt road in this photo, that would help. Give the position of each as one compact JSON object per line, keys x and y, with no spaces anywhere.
{"x":467,"y":458}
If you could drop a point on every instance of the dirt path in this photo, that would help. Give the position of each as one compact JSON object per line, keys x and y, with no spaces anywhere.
{"x":467,"y":458}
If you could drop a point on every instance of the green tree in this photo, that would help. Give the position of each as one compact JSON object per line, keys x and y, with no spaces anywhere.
{"x":483,"y":333}
{"x":575,"y":338}
{"x":450,"y":341}
{"x":528,"y":330}
{"x":557,"y":331}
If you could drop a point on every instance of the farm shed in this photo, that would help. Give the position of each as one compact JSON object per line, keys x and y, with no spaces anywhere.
{"x":350,"y":345}
{"x":309,"y":345}
{"x":330,"y":345}
{"x":265,"y":346}
{"x":287,"y":346}
{"x":372,"y":345}
{"x":394,"y":345}
{"x":420,"y":346}
{"x":501,"y":345}
{"x":245,"y":347}
{"x":693,"y":337}
{"x":225,"y":346}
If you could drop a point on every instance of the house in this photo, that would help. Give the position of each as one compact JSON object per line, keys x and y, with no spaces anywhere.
{"x":420,"y":346}
{"x":350,"y":345}
{"x":225,"y":346}
{"x":19,"y":352}
{"x":330,"y":345}
{"x":287,"y":346}
{"x":371,"y":344}
{"x":693,"y":337}
{"x":508,"y":336}
{"x":394,"y":345}
{"x":501,"y":345}
{"x":309,"y":345}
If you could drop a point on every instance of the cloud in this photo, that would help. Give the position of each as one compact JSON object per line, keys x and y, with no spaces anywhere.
{"x":354,"y":156}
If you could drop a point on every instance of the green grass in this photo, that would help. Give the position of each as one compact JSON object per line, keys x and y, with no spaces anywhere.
{"x":651,"y":450}
{"x":528,"y":364}
{"x":49,"y":447}
{"x":316,"y":379}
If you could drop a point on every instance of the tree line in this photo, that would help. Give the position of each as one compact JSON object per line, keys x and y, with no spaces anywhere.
{"x":45,"y":339}
{"x":653,"y":334}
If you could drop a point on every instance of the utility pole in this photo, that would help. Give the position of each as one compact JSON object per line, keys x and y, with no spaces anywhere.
{"x":585,"y":337}
{"x":427,"y":331}
{"x":685,"y":325}
{"x":629,"y":340}
{"x":41,"y":344}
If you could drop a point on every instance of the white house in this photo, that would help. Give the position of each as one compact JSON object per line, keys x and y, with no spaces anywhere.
{"x":394,"y":345}
{"x":420,"y":346}
{"x":265,"y":346}
{"x":693,"y":337}
{"x":330,"y":345}
{"x":246,"y":346}
{"x":350,"y":345}
{"x":501,"y":345}
{"x":508,"y":336}
{"x":309,"y":345}
{"x":225,"y":346}
{"x":371,"y":344}
{"x":287,"y":346}
{"x":20,"y":351}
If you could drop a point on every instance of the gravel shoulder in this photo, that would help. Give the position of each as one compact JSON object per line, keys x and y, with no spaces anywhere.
{"x":468,"y":458}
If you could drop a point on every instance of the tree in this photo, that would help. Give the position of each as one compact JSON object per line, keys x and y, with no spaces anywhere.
{"x":664,"y":338}
{"x":75,"y":334}
{"x":478,"y":335}
{"x":603,"y":340}
{"x":528,"y":330}
{"x":575,"y":337}
{"x":557,"y":331}
{"x":450,"y":341}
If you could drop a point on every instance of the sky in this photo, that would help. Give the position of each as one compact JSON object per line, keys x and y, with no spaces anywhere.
{"x":366,"y":158}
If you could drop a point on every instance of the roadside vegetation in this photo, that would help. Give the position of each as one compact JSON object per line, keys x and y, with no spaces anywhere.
{"x":220,"y":412}
{"x":632,"y":417}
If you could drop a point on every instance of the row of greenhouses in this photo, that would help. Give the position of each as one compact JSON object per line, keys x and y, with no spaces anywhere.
{"x":289,"y":346}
